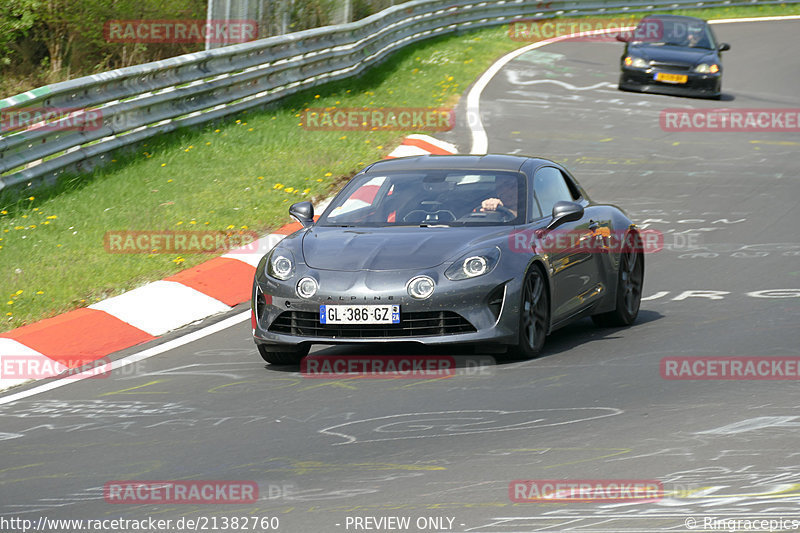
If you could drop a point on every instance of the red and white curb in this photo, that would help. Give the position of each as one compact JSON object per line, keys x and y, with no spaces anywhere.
{"x":51,"y":346}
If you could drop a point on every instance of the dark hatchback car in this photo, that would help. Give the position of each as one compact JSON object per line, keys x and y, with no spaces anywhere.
{"x":672,"y":54}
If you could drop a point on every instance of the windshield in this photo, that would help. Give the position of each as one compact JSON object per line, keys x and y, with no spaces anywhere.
{"x":692,"y":34}
{"x":429,"y":198}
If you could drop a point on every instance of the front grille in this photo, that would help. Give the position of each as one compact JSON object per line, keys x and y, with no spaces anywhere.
{"x":670,"y":66}
{"x":306,"y":324}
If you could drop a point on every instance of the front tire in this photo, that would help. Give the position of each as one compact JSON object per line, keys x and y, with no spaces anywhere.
{"x":534,"y":316}
{"x":629,"y":287}
{"x":282,"y":358}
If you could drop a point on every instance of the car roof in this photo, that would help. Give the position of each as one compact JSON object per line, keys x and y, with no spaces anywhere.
{"x":684,"y":18}
{"x":455,"y":162}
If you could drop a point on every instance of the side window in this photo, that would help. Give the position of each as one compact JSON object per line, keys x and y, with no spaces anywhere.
{"x":550,"y":187}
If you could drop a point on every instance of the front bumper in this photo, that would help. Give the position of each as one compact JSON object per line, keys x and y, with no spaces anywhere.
{"x":470,"y":311}
{"x":643,"y":80}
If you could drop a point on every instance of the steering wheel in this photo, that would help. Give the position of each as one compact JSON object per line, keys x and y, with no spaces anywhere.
{"x":506,"y":213}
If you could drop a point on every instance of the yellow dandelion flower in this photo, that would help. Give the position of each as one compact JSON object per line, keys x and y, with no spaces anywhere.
{"x":343,"y":137}
{"x":31,"y":198}
{"x":179,"y":223}
{"x":260,"y":178}
{"x":52,"y":217}
{"x":178,"y":260}
{"x":306,"y":191}
{"x":9,"y":313}
{"x":192,"y":222}
{"x":35,"y":208}
{"x":39,"y":292}
{"x":46,"y":222}
{"x":216,"y":131}
{"x":230,"y":226}
{"x":58,"y":246}
{"x":243,"y":227}
{"x":288,"y":189}
{"x":24,"y":216}
{"x":238,"y":121}
{"x":379,"y":147}
{"x":208,"y":143}
{"x":10,"y":302}
{"x":19,"y":292}
{"x":316,"y":96}
{"x":3,"y":212}
{"x":163,"y":164}
{"x":169,"y":181}
{"x":319,"y":179}
{"x":278,"y":186}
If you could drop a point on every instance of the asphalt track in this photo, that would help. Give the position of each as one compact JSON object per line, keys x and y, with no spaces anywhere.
{"x":593,"y":407}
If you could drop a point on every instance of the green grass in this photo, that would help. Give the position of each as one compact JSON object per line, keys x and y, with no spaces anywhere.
{"x":237,"y":175}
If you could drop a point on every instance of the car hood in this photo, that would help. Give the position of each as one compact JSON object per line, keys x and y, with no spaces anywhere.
{"x":353,"y":249}
{"x":671,"y":54}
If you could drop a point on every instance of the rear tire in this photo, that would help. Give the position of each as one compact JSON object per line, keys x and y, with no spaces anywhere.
{"x":534,"y":317}
{"x":629,"y":287}
{"x":282,"y":358}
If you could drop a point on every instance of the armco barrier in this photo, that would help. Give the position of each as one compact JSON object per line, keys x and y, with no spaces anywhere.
{"x":139,"y":102}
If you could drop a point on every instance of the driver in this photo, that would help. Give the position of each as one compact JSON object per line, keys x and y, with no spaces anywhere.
{"x":506,"y":196}
{"x":694,"y":37}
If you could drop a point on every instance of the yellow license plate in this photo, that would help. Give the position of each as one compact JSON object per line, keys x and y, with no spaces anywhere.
{"x":671,"y":78}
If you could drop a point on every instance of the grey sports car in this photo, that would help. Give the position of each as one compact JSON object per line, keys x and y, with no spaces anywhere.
{"x":494,"y":249}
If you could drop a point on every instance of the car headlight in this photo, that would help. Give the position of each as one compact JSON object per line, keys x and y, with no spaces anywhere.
{"x":636,"y":62}
{"x":307,"y":287}
{"x":420,"y":287}
{"x":473,"y":264}
{"x":705,"y":68}
{"x":280,"y":264}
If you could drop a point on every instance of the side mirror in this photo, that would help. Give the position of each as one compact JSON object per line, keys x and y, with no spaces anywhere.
{"x":303,"y":212}
{"x":723,"y":47}
{"x":623,"y":38}
{"x":565,"y":212}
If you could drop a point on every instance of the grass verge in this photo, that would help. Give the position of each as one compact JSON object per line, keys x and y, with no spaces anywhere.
{"x":237,"y":176}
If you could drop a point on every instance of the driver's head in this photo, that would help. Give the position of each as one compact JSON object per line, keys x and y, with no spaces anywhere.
{"x":506,"y":188}
{"x":694,"y":36}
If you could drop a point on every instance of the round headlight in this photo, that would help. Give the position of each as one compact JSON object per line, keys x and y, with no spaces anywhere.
{"x":703,"y":68}
{"x":282,"y":266}
{"x":475,"y":266}
{"x":420,"y":287}
{"x":307,"y":287}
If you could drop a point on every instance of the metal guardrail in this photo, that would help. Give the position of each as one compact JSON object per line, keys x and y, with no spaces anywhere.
{"x":135,"y":103}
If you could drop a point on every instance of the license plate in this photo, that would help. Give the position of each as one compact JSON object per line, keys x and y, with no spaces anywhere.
{"x":359,"y":314}
{"x":671,"y":78}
